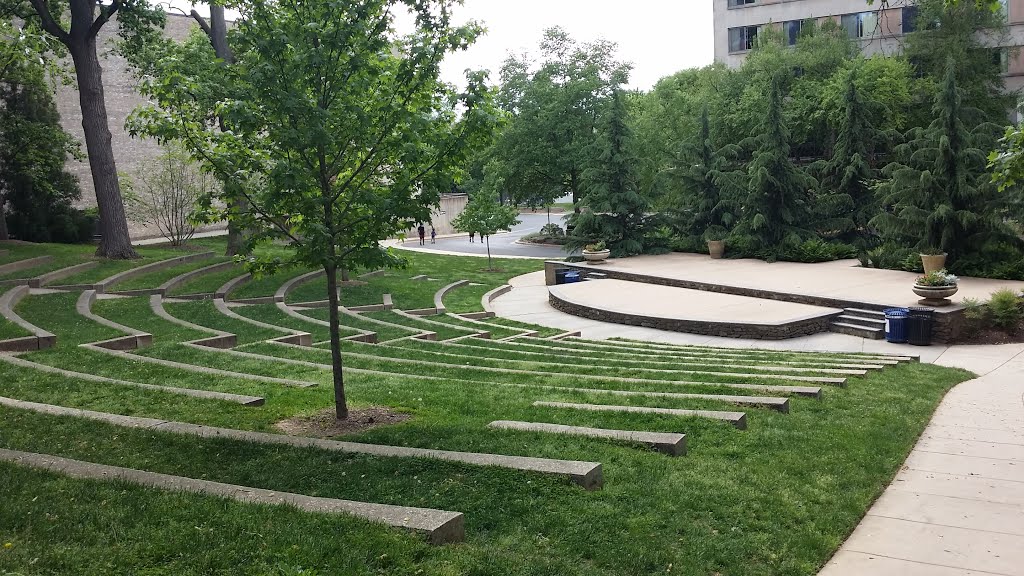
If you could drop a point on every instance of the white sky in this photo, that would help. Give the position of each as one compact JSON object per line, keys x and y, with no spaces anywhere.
{"x":659,"y":37}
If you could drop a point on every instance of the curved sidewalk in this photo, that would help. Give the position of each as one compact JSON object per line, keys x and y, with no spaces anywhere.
{"x":956,"y":508}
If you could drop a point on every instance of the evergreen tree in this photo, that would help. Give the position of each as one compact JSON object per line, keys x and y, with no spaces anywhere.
{"x":845,"y":202}
{"x":614,"y":210}
{"x":776,"y":208}
{"x":708,"y":187}
{"x":938,"y":195}
{"x":36,"y":191}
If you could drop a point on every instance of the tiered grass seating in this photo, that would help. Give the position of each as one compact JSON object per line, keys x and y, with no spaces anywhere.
{"x":781,"y":461}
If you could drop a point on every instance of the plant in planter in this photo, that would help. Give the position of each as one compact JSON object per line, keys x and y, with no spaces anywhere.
{"x":715,"y":237}
{"x":936,"y":287}
{"x":933,"y":260}
{"x":596,"y":252}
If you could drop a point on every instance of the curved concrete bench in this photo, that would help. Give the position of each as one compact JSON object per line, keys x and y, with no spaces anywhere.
{"x":102,"y":286}
{"x":292,"y":336}
{"x":187,"y":276}
{"x":19,"y":265}
{"x":420,"y":334}
{"x":489,"y":297}
{"x":737,"y":419}
{"x":49,"y":277}
{"x":470,"y":334}
{"x":440,"y":294}
{"x":282,"y":292}
{"x":218,"y":338}
{"x":196,"y":393}
{"x":39,"y":339}
{"x":439,"y":526}
{"x":469,"y":318}
{"x":363,"y":335}
{"x":134,"y":339}
{"x":230,"y":285}
{"x":664,"y":442}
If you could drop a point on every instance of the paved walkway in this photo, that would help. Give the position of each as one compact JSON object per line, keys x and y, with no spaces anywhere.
{"x":504,"y":245}
{"x":843,"y":279}
{"x":956,"y":508}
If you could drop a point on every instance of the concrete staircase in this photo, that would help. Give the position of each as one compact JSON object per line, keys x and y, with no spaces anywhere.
{"x":857,"y":322}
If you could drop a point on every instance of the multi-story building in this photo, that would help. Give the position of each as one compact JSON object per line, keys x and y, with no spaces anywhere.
{"x":877,"y":29}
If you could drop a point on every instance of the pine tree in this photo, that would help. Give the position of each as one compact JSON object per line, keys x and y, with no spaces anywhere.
{"x":845,"y":202}
{"x":938,"y":194}
{"x":36,"y":191}
{"x":614,"y":211}
{"x":709,"y":189}
{"x":776,"y":207}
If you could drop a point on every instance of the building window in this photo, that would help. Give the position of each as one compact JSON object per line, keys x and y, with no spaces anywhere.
{"x":860,"y":25}
{"x":791,"y":30}
{"x":737,"y":3}
{"x":743,"y":38}
{"x":909,"y":19}
{"x":1001,"y":58}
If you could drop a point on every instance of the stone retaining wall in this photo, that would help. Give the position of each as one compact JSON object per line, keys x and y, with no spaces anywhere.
{"x":802,"y":327}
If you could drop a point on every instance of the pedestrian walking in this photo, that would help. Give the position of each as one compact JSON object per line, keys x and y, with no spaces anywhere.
{"x":423,"y":233}
{"x":433,"y":235}
{"x":471,"y":235}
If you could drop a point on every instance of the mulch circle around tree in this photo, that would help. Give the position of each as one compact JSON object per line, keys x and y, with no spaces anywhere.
{"x":323,"y":424}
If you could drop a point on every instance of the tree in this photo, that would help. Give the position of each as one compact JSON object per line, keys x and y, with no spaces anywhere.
{"x":36,"y":191}
{"x":341,"y":133}
{"x":776,"y":209}
{"x":135,"y":19}
{"x":844,"y":204}
{"x":951,"y":31}
{"x":707,"y":186}
{"x":937,"y":195}
{"x":168,"y":193}
{"x":486,"y":216}
{"x":614,"y":211}
{"x":554,"y":111}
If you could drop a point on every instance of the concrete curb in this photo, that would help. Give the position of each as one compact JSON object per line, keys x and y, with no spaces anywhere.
{"x":440,"y":294}
{"x":737,"y":419}
{"x":196,"y":393}
{"x":440,"y":527}
{"x":666,"y":443}
{"x":38,"y":340}
{"x":103,"y":285}
{"x":26,"y":264}
{"x":586,"y":474}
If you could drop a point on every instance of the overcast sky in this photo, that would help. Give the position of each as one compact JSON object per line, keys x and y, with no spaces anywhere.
{"x":659,"y":37}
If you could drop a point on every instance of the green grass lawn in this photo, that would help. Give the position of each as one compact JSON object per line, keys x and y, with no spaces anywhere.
{"x":497,"y":331}
{"x":444,"y":332}
{"x":543,"y":331}
{"x":775,"y":499}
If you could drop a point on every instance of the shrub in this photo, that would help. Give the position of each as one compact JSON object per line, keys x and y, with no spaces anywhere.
{"x":690,"y":244}
{"x":892,"y":257}
{"x":816,"y":250}
{"x":540,"y":238}
{"x":552,"y":230}
{"x":1004,"y":308}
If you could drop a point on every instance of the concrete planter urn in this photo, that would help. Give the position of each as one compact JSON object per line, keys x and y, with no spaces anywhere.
{"x":596,"y":256}
{"x":716,"y":248}
{"x":933,"y":262}
{"x":935,"y":296}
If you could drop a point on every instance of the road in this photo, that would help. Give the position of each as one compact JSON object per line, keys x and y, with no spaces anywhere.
{"x":501,"y":244}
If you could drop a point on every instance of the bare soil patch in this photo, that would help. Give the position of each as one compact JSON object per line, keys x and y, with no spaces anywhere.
{"x":991,"y":336}
{"x":323,"y":424}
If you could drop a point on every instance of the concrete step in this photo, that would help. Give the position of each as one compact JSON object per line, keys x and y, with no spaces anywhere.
{"x":668,"y":443}
{"x":862,"y":321}
{"x":737,"y":419}
{"x":865,"y":313}
{"x":857,"y":330}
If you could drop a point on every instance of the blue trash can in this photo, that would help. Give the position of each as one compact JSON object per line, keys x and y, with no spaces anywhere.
{"x":896,"y":325}
{"x":572,"y":276}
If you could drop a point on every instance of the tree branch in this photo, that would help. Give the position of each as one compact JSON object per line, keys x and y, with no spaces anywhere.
{"x":49,"y":24}
{"x":104,"y":17}
{"x":202,"y":24}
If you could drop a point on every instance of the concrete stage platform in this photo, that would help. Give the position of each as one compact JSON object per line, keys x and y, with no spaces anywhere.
{"x":692,"y":311}
{"x":859,"y":293}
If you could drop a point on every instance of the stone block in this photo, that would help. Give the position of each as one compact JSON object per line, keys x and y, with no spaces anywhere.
{"x":737,"y":419}
{"x":667,"y":443}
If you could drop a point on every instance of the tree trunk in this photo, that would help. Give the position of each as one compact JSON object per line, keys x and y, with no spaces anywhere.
{"x":488,"y":242}
{"x":340,"y":404}
{"x":4,"y":234}
{"x":217,"y":32}
{"x":115,"y":241}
